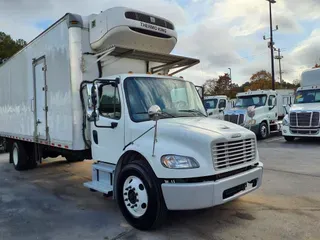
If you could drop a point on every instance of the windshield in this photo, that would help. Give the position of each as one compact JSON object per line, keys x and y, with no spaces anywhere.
{"x":211,"y":103}
{"x":252,"y":100}
{"x":307,"y":96}
{"x":176,"y":98}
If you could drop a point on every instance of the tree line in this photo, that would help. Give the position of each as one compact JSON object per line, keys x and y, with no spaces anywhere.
{"x":8,"y":46}
{"x":259,"y":80}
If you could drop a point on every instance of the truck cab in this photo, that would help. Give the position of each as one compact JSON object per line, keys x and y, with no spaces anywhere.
{"x":303,"y":118}
{"x":268,"y":110}
{"x":216,"y":105}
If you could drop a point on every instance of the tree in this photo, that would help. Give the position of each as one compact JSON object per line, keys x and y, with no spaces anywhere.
{"x":8,"y":46}
{"x":261,"y":75}
{"x":209,"y":87}
{"x":317,"y":65}
{"x":223,"y":85}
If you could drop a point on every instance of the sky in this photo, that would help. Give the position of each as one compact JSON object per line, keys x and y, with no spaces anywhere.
{"x":223,"y":34}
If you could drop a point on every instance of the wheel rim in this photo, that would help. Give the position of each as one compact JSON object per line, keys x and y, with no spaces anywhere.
{"x":135,"y":196}
{"x":15,"y":156}
{"x":263,"y":131}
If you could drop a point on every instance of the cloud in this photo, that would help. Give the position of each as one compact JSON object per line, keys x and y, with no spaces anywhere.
{"x":221,"y":33}
{"x":307,"y":52}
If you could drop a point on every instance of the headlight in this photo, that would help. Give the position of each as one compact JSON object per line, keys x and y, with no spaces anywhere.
{"x":285,"y":121}
{"x":251,"y":122}
{"x":180,"y":162}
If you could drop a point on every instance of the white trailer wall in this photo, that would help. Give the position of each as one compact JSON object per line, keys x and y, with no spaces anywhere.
{"x":16,"y":92}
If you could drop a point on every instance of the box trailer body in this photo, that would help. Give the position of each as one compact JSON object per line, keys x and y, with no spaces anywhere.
{"x":303,"y":118}
{"x":82,"y":90}
{"x":44,"y":64}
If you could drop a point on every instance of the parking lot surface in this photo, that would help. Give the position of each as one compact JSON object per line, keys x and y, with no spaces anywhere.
{"x":50,"y":202}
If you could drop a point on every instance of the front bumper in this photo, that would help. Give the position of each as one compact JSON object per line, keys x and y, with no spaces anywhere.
{"x":287,"y":132}
{"x":253,"y":128}
{"x":189,"y":196}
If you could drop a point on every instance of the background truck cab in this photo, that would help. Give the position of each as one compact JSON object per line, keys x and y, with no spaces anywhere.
{"x":216,"y":105}
{"x":303,"y":118}
{"x":269,"y":110}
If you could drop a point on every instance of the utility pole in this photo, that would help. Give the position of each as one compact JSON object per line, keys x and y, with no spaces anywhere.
{"x":279,"y":57}
{"x":230,"y":75}
{"x":271,"y":42}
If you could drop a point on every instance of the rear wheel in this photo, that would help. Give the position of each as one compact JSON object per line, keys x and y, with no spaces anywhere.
{"x":19,"y":157}
{"x":139,"y":196}
{"x":289,"y":138}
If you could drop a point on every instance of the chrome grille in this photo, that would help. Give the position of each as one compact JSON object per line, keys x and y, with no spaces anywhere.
{"x":304,"y":119}
{"x":229,"y":154}
{"x":237,"y":119}
{"x":304,"y":123}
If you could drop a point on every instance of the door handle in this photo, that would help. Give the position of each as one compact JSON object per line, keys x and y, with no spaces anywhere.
{"x":38,"y":121}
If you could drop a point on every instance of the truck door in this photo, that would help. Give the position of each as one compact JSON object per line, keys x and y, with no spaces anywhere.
{"x":273,"y":109}
{"x":40,"y":99}
{"x":107,"y":133}
{"x":221,"y":108}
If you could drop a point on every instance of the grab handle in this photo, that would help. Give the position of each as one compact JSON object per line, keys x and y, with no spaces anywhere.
{"x":32,"y":105}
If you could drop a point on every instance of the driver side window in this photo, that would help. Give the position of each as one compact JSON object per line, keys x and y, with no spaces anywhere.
{"x":270,"y":100}
{"x":110,"y":105}
{"x":222,"y":103}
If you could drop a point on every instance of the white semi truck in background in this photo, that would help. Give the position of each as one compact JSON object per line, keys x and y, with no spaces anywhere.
{"x":303,"y":118}
{"x":216,"y":105}
{"x":89,"y":88}
{"x":268,"y":107}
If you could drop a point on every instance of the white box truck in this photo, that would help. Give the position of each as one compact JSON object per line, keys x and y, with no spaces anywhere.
{"x":269,"y":110}
{"x":216,"y":105}
{"x":89,"y":88}
{"x":303,"y":118}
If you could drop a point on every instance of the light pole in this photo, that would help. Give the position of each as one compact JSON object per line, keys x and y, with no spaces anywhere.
{"x":271,"y":43}
{"x":230,"y":74}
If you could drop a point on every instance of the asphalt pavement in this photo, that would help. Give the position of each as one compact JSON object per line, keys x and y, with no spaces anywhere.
{"x":50,"y":202}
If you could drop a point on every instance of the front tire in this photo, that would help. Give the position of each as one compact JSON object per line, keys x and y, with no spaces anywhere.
{"x":263,"y":130}
{"x":139,"y":196}
{"x":289,"y":138}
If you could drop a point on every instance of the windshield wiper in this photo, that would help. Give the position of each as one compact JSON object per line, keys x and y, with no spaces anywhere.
{"x":193,"y":111}
{"x":162,"y":113}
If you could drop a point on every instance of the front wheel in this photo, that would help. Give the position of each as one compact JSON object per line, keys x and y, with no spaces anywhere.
{"x":289,"y":138}
{"x":139,"y":196}
{"x":263,"y":130}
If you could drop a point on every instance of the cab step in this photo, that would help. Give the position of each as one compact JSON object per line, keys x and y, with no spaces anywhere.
{"x":102,"y":178}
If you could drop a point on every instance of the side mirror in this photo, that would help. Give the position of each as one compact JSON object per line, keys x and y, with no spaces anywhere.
{"x":286,"y":108}
{"x":251,"y":111}
{"x":221,"y":109}
{"x":273,"y":102}
{"x":154,"y":112}
{"x":94,"y":102}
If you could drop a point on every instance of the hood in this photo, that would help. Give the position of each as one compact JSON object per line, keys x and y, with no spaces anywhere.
{"x":305,"y":107}
{"x":204,"y":125}
{"x":236,"y":111}
{"x":244,"y":111}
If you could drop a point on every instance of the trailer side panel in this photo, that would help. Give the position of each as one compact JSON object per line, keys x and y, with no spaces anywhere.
{"x":36,"y":88}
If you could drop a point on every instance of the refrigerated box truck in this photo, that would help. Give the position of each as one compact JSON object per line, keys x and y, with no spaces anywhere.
{"x":102,"y":87}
